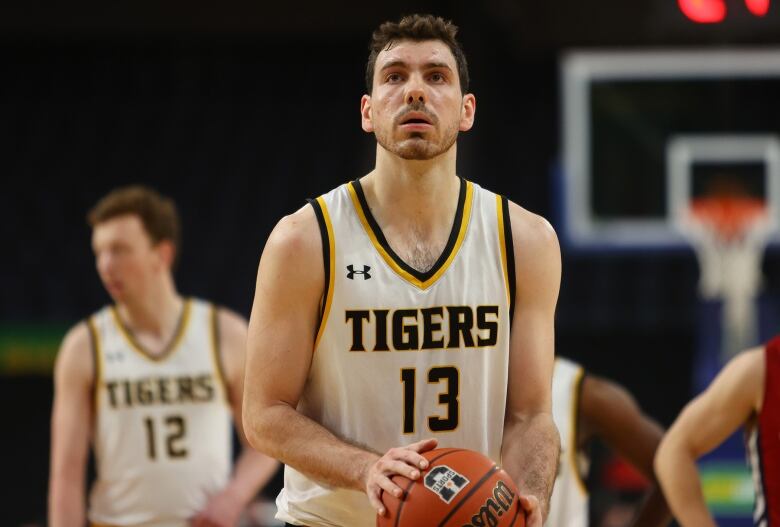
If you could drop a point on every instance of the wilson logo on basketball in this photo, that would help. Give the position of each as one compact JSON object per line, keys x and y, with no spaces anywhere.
{"x":495,"y":507}
{"x":445,"y":482}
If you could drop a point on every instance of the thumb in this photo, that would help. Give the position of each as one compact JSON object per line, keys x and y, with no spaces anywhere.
{"x":529,"y":503}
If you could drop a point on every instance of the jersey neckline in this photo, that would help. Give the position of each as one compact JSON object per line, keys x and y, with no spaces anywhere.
{"x":173,"y":344}
{"x":422,"y":280}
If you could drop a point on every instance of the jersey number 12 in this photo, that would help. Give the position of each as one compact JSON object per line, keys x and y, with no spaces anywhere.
{"x":175,"y":426}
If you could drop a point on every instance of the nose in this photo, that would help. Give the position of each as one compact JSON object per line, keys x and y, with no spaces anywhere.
{"x":415,"y":93}
{"x":104,"y":262}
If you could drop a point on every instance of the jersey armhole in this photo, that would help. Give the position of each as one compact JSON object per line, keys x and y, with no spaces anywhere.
{"x":328,"y":259}
{"x":575,"y":432}
{"x":216,"y":352}
{"x":97,"y":367}
{"x":507,"y":251}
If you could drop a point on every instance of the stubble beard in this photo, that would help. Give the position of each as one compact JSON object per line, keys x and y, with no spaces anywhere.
{"x":416,"y":147}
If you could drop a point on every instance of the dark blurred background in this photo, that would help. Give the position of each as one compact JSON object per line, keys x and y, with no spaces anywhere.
{"x":240,"y":111}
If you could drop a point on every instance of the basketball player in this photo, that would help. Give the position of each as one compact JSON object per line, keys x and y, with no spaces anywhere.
{"x":745,"y":393}
{"x":381,"y":322}
{"x":586,"y":407}
{"x":150,"y":381}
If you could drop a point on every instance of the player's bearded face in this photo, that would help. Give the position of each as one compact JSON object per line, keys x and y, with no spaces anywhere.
{"x":416,"y":108}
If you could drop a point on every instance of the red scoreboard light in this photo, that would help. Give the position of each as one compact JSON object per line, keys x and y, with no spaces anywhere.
{"x":704,"y":11}
{"x":758,"y":7}
{"x":714,"y":11}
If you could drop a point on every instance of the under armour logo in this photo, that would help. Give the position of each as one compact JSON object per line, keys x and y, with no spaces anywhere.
{"x":351,"y":272}
{"x":114,"y":356}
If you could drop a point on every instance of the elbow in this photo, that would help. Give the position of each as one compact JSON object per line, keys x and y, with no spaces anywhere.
{"x":261,"y":426}
{"x":660,"y":459}
{"x":252,"y":429}
{"x":668,"y":455}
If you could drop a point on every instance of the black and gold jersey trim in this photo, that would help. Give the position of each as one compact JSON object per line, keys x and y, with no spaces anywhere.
{"x":576,"y":396}
{"x":97,"y":361}
{"x":507,"y":251}
{"x":329,"y":260}
{"x":216,"y":350}
{"x":178,"y":334}
{"x":407,"y":272}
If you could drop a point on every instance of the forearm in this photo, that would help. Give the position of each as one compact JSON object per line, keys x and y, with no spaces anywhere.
{"x":284,"y":434}
{"x":66,"y":504}
{"x":530,"y":455}
{"x":654,"y":512}
{"x":679,"y":479}
{"x":251,"y":473}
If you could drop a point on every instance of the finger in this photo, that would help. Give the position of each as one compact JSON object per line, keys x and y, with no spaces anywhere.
{"x":411,"y":458}
{"x":424,"y":445}
{"x":376,"y":503}
{"x":387,"y":485}
{"x":388,"y":467}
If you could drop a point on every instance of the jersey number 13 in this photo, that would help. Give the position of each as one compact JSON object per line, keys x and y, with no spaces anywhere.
{"x":448,"y":396}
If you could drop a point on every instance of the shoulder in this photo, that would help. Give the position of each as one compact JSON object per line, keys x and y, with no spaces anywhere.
{"x":746,"y":372}
{"x":291,"y":266}
{"x":231,"y":324}
{"x":296,"y":233}
{"x":536,"y":251}
{"x":75,"y":359}
{"x":531,"y":230}
{"x":747,"y":366}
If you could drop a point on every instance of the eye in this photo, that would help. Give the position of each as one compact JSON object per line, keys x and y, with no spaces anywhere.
{"x":438,"y":77}
{"x":393,"y":78}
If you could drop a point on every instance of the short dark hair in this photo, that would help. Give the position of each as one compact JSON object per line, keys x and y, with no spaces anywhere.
{"x":158,"y":213}
{"x":417,"y":28}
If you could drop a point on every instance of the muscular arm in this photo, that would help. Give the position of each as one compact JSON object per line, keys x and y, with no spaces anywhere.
{"x":609,"y":412}
{"x":732,"y":398}
{"x":71,"y":424}
{"x":285,"y":314}
{"x":531,"y":442}
{"x":252,"y":469}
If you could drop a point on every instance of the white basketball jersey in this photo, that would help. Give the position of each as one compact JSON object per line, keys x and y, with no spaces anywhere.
{"x":162,"y":435}
{"x":401,"y":355}
{"x":569,"y":501}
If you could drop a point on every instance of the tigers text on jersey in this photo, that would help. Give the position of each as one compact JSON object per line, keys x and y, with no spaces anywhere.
{"x":402,"y":355}
{"x":162,"y":435}
{"x":763,"y":444}
{"x":569,"y":501}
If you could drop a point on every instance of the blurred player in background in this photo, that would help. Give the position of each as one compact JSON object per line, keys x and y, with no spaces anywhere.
{"x":745,"y":393}
{"x":151,"y":382}
{"x":586,"y":407}
{"x":382,"y":312}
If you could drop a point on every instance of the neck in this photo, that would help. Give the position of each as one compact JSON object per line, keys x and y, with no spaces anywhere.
{"x":423,"y":193}
{"x":157,"y":311}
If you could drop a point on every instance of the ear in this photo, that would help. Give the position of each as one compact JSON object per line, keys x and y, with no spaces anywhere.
{"x":365,"y":114}
{"x":167,"y":252}
{"x":467,"y":112}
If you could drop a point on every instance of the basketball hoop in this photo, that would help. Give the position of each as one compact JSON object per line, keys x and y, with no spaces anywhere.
{"x":729,"y":234}
{"x":731,"y":218}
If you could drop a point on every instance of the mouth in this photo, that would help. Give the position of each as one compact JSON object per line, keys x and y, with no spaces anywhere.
{"x":415,"y":120}
{"x":113,"y":286}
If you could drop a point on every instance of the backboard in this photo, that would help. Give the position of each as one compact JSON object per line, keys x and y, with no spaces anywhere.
{"x":644,"y":132}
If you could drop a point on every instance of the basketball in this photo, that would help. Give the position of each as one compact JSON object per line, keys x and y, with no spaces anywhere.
{"x":460,"y":488}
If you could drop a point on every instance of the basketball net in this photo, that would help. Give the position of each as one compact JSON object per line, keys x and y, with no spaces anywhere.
{"x":729,"y":234}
